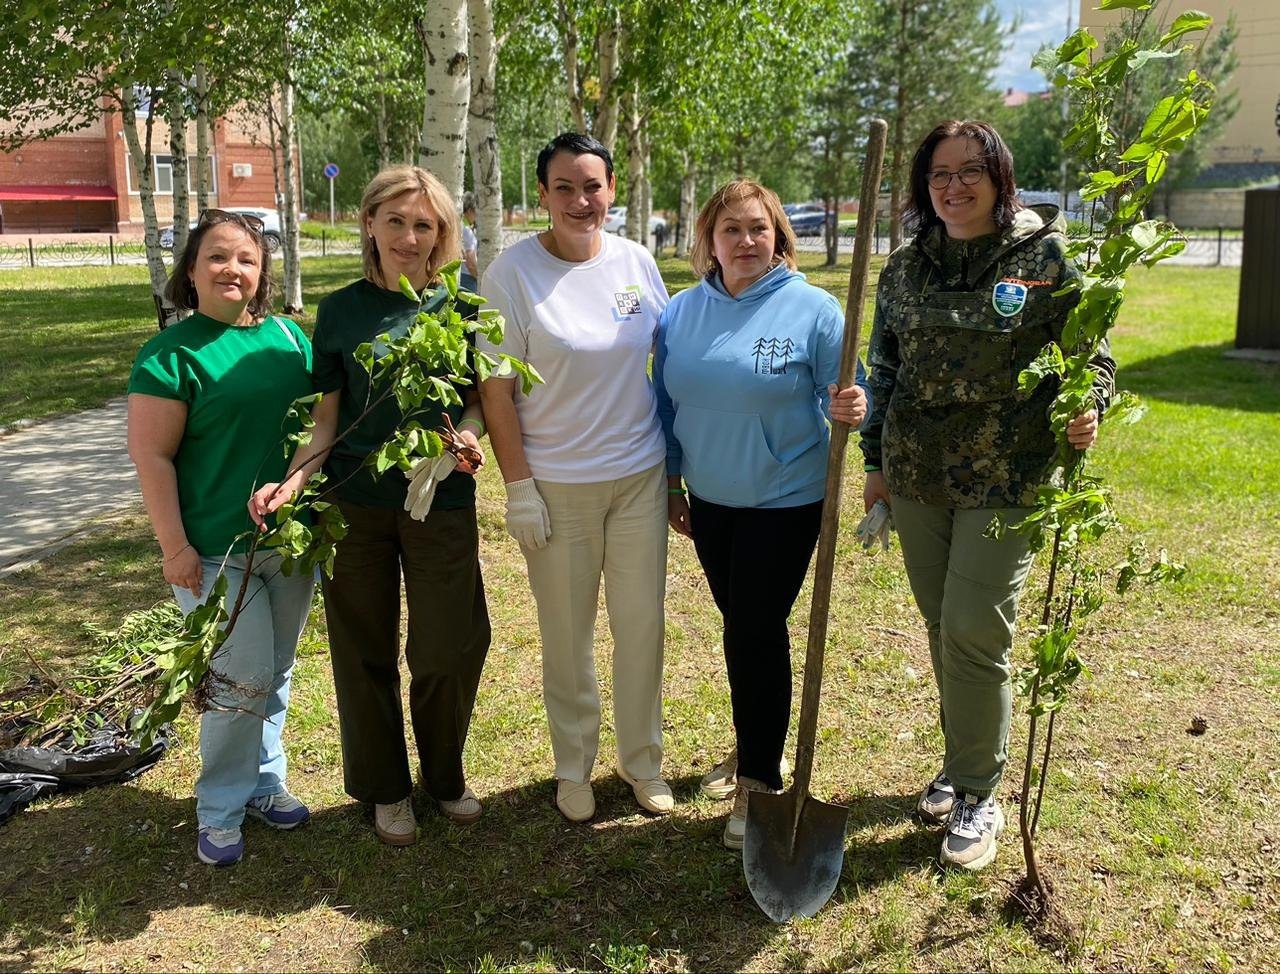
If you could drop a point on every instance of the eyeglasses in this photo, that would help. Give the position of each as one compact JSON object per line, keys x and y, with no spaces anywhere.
{"x":247,"y":220}
{"x":941,"y":178}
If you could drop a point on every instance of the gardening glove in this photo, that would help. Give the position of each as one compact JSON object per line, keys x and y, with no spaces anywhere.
{"x":423,"y":478}
{"x":876,"y":527}
{"x":527,"y":518}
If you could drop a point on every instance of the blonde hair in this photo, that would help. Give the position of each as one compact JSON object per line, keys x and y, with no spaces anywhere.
{"x":396,"y":181}
{"x":703,"y":258}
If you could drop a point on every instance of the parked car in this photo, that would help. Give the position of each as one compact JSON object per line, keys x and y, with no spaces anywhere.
{"x":807,"y":219}
{"x":617,"y":221}
{"x":271,"y":231}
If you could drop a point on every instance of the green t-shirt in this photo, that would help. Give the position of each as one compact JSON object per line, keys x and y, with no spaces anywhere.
{"x":345,"y":319}
{"x":237,"y":383}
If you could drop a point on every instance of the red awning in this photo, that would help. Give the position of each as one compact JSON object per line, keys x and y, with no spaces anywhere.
{"x":11,"y":192}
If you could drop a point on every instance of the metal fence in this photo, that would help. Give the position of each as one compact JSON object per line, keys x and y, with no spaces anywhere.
{"x":1214,"y":249}
{"x":1206,"y":250}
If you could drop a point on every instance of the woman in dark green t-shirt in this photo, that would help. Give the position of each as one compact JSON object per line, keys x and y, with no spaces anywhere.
{"x":409,"y":226}
{"x":207,"y":398}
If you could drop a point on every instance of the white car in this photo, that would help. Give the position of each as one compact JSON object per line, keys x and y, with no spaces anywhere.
{"x":271,"y":232}
{"x":617,"y":221}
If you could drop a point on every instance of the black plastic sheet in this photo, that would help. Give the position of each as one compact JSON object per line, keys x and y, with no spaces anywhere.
{"x":107,"y":757}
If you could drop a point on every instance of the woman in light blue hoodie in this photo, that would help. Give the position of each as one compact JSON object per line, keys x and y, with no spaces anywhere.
{"x":745,"y":371}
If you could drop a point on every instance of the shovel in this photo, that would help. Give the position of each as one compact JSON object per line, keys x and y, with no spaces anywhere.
{"x":794,"y":845}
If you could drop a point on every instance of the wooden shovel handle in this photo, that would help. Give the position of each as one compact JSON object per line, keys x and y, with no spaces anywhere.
{"x":818,"y":609}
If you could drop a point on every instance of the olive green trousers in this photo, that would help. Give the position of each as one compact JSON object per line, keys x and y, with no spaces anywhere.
{"x":967,"y":589}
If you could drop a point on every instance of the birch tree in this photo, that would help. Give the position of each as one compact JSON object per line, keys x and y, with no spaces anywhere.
{"x":442,"y":29}
{"x":482,"y":133}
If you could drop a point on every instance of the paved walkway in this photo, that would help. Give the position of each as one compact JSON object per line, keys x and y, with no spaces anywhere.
{"x":60,"y":476}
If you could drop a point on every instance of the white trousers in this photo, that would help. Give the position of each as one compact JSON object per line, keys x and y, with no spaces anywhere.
{"x":617,"y":528}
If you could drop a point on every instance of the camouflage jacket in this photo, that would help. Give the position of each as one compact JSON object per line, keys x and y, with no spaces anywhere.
{"x":955,"y":323}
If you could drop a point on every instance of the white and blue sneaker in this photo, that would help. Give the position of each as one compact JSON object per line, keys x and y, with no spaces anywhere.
{"x":219,"y":847}
{"x":281,"y":810}
{"x":970,"y":840}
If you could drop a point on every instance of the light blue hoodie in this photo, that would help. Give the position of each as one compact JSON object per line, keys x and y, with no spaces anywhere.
{"x":742,"y":389}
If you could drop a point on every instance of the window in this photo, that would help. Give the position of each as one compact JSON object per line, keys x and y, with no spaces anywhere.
{"x":162,"y":183}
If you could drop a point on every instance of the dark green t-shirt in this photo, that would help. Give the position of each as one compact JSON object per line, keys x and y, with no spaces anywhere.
{"x":237,"y":382}
{"x":346,"y":319}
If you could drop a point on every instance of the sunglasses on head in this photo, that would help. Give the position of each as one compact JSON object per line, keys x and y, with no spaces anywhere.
{"x":246,"y":220}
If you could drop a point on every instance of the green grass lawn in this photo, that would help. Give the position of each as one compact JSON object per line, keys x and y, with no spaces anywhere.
{"x":1163,"y":846}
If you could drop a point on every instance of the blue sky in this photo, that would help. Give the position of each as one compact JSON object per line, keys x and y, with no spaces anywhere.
{"x":1043,"y":21}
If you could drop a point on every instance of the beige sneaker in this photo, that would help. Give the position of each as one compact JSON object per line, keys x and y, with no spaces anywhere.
{"x":576,"y":800}
{"x":652,"y":794}
{"x":735,"y":829}
{"x":395,"y":823}
{"x":464,"y":810}
{"x":722,"y":780}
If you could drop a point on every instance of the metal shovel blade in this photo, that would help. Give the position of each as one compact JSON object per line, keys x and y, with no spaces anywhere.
{"x":792,"y":864}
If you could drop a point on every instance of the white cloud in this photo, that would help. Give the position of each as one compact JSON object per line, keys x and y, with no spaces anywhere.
{"x":1036,"y":28}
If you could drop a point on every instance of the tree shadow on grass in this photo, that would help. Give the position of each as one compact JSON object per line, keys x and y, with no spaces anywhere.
{"x":95,"y":868}
{"x":521,"y":885}
{"x":1203,"y":375}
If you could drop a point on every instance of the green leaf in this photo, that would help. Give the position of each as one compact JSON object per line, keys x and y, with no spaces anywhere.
{"x":1048,"y":363}
{"x":406,"y":288}
{"x":1126,"y":4}
{"x":1125,"y":408}
{"x":1184,"y":23}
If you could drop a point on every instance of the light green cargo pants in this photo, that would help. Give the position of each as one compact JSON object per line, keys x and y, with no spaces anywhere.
{"x":967,"y":589}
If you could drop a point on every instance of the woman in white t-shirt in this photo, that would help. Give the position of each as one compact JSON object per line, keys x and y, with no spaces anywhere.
{"x":583,"y":460}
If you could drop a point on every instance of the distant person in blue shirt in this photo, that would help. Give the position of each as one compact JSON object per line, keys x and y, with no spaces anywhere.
{"x":745,"y":371}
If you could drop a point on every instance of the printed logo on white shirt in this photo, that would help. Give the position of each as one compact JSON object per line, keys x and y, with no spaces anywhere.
{"x":627,"y":303}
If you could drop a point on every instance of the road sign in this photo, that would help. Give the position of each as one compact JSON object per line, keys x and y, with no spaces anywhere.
{"x":330,"y":170}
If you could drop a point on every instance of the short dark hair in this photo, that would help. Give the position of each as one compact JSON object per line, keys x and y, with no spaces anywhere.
{"x":578,"y":145}
{"x":182,"y":293}
{"x":996,"y":157}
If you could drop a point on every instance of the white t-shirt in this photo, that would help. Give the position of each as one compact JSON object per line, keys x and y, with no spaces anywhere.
{"x":587,"y":328}
{"x":468,"y":238}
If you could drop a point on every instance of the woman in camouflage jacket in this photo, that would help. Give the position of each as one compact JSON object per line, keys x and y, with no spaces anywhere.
{"x":960,"y":310}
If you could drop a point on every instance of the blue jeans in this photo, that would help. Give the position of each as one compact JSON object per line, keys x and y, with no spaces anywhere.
{"x":240,"y":752}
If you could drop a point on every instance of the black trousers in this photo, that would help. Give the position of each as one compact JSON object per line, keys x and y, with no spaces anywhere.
{"x":756,"y":559}
{"x":448,"y":641}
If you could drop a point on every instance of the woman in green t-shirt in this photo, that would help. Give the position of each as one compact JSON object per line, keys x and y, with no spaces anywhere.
{"x":409,"y":225}
{"x":207,"y":397}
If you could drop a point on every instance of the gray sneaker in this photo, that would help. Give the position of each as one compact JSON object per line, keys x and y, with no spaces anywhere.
{"x":970,"y":839}
{"x":936,"y":800}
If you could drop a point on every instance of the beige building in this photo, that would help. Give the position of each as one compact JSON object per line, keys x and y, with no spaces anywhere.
{"x":1249,"y":147}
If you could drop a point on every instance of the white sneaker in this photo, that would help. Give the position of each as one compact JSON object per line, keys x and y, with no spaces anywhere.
{"x":395,"y":823}
{"x":970,"y":839}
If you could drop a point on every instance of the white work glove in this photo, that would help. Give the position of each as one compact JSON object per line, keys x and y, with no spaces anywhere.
{"x":527,"y":518}
{"x":875,"y":527}
{"x":423,"y":478}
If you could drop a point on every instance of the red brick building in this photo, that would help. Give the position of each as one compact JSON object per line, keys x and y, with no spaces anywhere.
{"x":84,"y":181}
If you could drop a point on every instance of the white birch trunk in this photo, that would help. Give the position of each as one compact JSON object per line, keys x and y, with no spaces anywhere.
{"x":634,"y":229}
{"x":140,"y":154}
{"x":646,"y":197}
{"x":569,"y":53}
{"x":289,"y":218}
{"x":442,"y":149}
{"x":203,"y":165}
{"x":482,"y":135}
{"x":176,"y":112}
{"x":688,"y":204}
{"x":612,"y":41}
